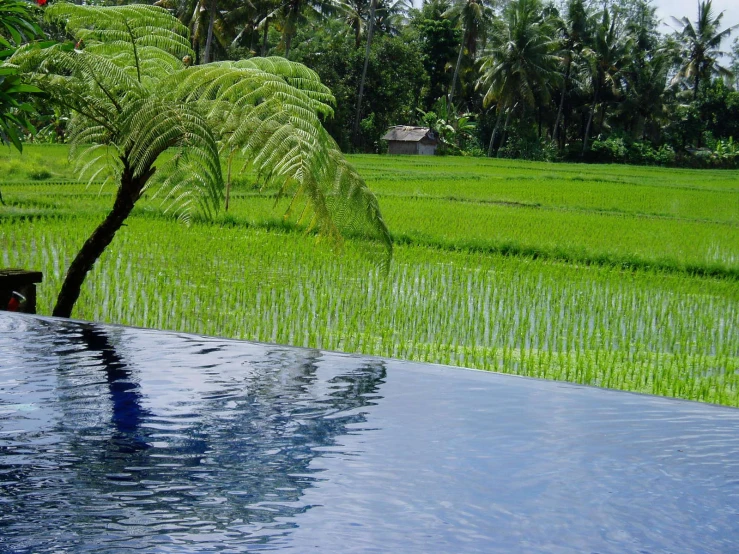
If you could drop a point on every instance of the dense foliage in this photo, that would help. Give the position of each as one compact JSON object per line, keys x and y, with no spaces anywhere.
{"x":539,"y":79}
{"x":17,"y":25}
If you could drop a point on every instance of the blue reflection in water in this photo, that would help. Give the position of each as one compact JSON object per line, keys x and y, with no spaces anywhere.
{"x":184,"y":457}
{"x":125,"y":393}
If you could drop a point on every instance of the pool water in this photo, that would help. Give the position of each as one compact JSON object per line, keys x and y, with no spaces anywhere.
{"x":114,"y":438}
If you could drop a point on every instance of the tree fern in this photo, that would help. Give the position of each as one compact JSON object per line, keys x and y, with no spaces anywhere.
{"x":132,"y":98}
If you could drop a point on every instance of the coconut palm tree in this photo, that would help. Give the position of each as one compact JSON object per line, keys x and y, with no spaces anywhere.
{"x":607,"y":56}
{"x":132,"y":98}
{"x":389,"y":16}
{"x":290,"y":13}
{"x":362,"y":79}
{"x":474,"y":16}
{"x":573,"y":29}
{"x":646,"y":75}
{"x":702,"y":42}
{"x":522,"y":62}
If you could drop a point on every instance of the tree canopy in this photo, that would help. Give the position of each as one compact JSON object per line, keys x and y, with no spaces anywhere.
{"x":544,"y":79}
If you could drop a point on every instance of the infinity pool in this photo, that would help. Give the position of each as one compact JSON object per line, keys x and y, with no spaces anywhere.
{"x":114,"y":438}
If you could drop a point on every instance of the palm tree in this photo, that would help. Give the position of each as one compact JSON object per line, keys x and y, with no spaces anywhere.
{"x":292,"y":12}
{"x":370,"y":32}
{"x":522,"y":63}
{"x":607,"y":56}
{"x":474,"y":16}
{"x":702,"y":41}
{"x":573,"y":28}
{"x":132,"y":98}
{"x":389,"y":15}
{"x":646,"y":74}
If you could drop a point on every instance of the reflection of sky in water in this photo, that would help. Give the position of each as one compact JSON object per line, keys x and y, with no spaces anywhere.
{"x":115,"y":438}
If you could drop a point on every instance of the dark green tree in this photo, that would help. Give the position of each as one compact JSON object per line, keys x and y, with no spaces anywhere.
{"x":395,"y":76}
{"x":573,"y":29}
{"x":607,"y":57}
{"x":474,"y":17}
{"x":522,"y":64}
{"x":438,"y":38}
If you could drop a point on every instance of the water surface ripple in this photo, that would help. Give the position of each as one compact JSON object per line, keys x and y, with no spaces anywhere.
{"x":115,"y":439}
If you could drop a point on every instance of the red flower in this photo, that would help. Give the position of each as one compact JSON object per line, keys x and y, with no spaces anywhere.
{"x":41,"y":2}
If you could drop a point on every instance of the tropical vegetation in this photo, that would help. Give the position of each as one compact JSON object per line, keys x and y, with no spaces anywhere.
{"x":580,"y":80}
{"x":132,"y":97}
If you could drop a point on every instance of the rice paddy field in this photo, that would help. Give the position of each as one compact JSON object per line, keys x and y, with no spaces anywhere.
{"x":613,"y":276}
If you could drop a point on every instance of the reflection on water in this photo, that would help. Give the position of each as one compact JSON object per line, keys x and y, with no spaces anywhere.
{"x":114,"y":439}
{"x":125,"y":392}
{"x":145,"y":448}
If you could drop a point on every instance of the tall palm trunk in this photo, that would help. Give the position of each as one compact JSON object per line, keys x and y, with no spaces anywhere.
{"x":209,"y":40}
{"x":264,"y":37}
{"x":590,"y":121}
{"x":370,"y":32}
{"x":505,"y":127}
{"x":128,"y":193}
{"x":562,"y":100}
{"x":697,"y":83}
{"x":456,"y":68}
{"x":501,"y":109}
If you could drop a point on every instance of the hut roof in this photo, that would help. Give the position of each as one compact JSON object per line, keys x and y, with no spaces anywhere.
{"x":408,"y":133}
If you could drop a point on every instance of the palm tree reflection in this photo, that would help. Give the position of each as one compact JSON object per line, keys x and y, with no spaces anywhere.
{"x":241,"y":449}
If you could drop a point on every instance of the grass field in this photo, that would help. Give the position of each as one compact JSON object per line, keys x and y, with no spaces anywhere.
{"x":614,"y":276}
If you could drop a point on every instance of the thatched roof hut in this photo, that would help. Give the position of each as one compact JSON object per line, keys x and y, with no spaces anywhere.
{"x":406,"y":139}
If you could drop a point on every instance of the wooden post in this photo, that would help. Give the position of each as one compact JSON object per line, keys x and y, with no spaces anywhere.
{"x":18,"y":290}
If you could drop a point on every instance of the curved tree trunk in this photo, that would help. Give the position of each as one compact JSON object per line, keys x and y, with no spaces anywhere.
{"x":128,"y":193}
{"x":370,"y":32}
{"x":288,"y":44}
{"x":456,"y":68}
{"x":264,"y":37}
{"x":505,"y":126}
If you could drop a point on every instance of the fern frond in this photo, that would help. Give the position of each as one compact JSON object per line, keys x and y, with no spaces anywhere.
{"x":130,"y":93}
{"x":152,"y":126}
{"x":143,"y":24}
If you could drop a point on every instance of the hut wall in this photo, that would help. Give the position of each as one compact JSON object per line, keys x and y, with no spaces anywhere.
{"x":426,"y":149}
{"x":399,"y":147}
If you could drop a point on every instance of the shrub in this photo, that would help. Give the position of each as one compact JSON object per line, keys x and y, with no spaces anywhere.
{"x":610,"y":150}
{"x":525,"y":148}
{"x":39,"y":175}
